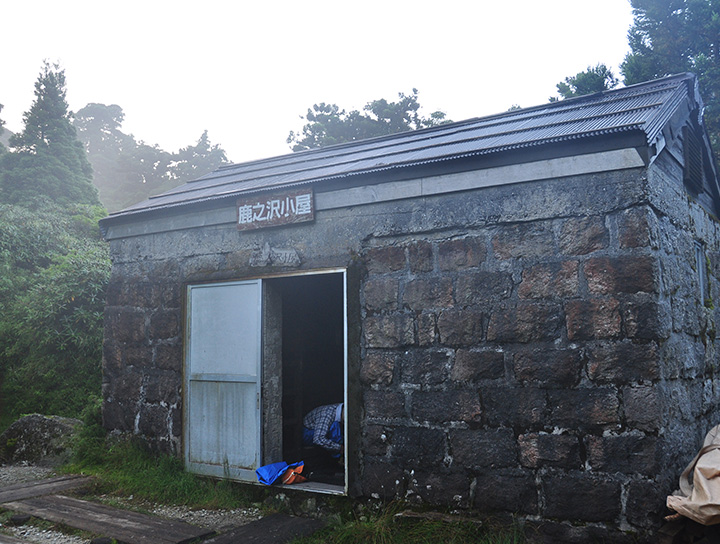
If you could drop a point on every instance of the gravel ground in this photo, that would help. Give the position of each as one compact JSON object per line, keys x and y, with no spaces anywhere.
{"x":218,"y":520}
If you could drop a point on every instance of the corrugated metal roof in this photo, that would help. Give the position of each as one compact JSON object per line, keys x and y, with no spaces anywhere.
{"x":643,"y":108}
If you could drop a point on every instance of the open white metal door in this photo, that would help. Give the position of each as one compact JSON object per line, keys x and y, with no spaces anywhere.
{"x":222,"y":431}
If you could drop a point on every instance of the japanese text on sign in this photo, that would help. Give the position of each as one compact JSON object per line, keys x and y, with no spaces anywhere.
{"x":256,"y":213}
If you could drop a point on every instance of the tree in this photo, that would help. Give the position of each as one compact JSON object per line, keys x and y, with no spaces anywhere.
{"x":47,"y":161}
{"x":127,"y":171}
{"x":673,"y":36}
{"x":327,"y":124}
{"x":54,"y":269}
{"x":593,"y":80}
{"x":194,"y":161}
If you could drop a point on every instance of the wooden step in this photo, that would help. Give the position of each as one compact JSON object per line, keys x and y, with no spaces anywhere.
{"x":7,"y":539}
{"x":122,"y":525}
{"x":38,"y":488}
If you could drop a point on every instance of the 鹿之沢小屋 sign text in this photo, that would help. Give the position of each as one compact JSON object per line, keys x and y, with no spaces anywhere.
{"x":258,"y":212}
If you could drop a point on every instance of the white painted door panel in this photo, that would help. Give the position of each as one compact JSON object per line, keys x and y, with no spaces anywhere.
{"x":222,"y":378}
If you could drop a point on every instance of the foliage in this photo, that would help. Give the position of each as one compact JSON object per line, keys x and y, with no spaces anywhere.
{"x":673,"y":36}
{"x":593,"y":80}
{"x":327,"y":124}
{"x":54,"y":269}
{"x":48,"y":161}
{"x":385,"y":528}
{"x":194,"y":161}
{"x":127,"y":171}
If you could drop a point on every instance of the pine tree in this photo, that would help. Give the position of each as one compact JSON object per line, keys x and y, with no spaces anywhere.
{"x":47,"y":161}
{"x":673,"y":36}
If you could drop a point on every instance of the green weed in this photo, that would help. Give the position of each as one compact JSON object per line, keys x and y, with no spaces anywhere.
{"x":386,"y":528}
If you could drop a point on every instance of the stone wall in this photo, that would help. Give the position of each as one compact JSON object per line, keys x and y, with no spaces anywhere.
{"x":533,"y":349}
{"x":558,"y":368}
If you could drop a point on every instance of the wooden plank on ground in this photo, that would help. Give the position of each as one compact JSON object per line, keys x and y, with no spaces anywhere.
{"x":7,"y":539}
{"x":122,"y":525}
{"x":38,"y":488}
{"x":272,"y":529}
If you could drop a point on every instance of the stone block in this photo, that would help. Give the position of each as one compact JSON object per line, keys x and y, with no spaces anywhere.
{"x":420,"y":257}
{"x":583,"y":409}
{"x":389,"y":331}
{"x":137,"y":355}
{"x":375,"y":440}
{"x":378,"y":367}
{"x":125,"y":388}
{"x":481,"y":288}
{"x":153,"y":421}
{"x":425,"y":367}
{"x":112,"y":358}
{"x":168,"y":357}
{"x":524,"y":323}
{"x":582,"y":497}
{"x":442,"y":407}
{"x":538,"y":450}
{"x":384,"y":404}
{"x":460,"y":327}
{"x":381,"y":294}
{"x":593,"y":319}
{"x":382,"y":479}
{"x":473,"y":366}
{"x":519,"y":408}
{"x":480,"y":448}
{"x":629,"y":453}
{"x":118,"y":416}
{"x":126,"y":326}
{"x":427,"y":330}
{"x":446,"y":488}
{"x":461,"y":253}
{"x":642,"y":408}
{"x":550,"y":280}
{"x":634,"y":228}
{"x":418,"y":447}
{"x":164,"y":294}
{"x":554,"y":367}
{"x":427,"y":293}
{"x":646,"y":320}
{"x":380,"y":260}
{"x":625,"y":274}
{"x":506,"y":490}
{"x":623,"y":362}
{"x":645,"y":504}
{"x":583,"y":235}
{"x":163,"y":387}
{"x":164,"y":325}
{"x":523,"y":241}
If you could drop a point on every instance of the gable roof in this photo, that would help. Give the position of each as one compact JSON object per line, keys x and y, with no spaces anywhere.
{"x":642,"y":110}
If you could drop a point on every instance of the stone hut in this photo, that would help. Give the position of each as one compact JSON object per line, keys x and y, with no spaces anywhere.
{"x":518,"y":311}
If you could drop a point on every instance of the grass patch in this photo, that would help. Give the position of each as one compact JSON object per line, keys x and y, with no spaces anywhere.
{"x":127,"y":467}
{"x":386,"y":528}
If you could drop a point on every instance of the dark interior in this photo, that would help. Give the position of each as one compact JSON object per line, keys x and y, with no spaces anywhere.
{"x":312,"y":364}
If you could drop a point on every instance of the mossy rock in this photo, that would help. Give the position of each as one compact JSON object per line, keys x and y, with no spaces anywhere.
{"x":39,"y":440}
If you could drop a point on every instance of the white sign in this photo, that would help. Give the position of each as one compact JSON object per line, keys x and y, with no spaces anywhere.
{"x":260,"y":212}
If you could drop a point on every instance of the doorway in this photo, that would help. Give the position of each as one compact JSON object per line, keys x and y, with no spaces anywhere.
{"x":260,"y":354}
{"x":313,"y":365}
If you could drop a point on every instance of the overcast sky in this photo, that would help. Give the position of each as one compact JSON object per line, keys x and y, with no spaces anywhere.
{"x":246,"y":71}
